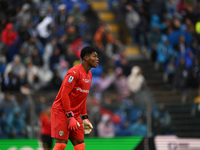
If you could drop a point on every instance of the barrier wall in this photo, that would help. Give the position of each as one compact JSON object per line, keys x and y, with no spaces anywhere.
{"x":118,"y":143}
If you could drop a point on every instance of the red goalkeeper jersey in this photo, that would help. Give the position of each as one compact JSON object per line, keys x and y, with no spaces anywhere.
{"x":73,"y":91}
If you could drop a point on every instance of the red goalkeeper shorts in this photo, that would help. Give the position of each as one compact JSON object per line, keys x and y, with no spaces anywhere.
{"x":59,"y":127}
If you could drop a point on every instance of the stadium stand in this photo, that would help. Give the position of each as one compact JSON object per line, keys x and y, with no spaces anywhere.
{"x":41,"y":40}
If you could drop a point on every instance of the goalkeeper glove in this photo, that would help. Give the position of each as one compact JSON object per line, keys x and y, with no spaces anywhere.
{"x":72,"y":123}
{"x":87,"y":125}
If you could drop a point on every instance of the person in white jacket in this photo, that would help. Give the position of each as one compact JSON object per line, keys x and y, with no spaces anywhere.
{"x":43,"y":29}
{"x":136,"y":79}
{"x":105,"y":127}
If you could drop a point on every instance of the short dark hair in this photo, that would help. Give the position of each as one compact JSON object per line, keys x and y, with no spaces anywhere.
{"x":87,"y":50}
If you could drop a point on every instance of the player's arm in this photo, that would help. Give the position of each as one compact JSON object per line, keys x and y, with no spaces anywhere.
{"x":68,"y":84}
{"x":86,"y":122}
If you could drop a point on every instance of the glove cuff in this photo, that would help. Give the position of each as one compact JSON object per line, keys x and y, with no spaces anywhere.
{"x":70,"y":114}
{"x":84,"y":117}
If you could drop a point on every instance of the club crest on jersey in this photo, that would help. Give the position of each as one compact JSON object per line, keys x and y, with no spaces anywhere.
{"x":70,"y":79}
{"x":61,"y":133}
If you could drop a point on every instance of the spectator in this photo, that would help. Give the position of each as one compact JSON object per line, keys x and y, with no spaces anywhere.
{"x":44,"y":29}
{"x":169,"y":71}
{"x":56,"y":80}
{"x":110,"y":102}
{"x":3,"y":19}
{"x":139,"y":128}
{"x":23,"y":32}
{"x":136,"y":80}
{"x":142,"y":27}
{"x":161,"y":120}
{"x":132,"y":20}
{"x":76,"y":14}
{"x":25,"y":15}
{"x":3,"y":125}
{"x":8,"y":101}
{"x":69,"y":55}
{"x":45,"y":75}
{"x":121,"y":84}
{"x":181,"y":76}
{"x":15,"y":67}
{"x":141,"y":94}
{"x":194,"y":75}
{"x":48,"y":52}
{"x":103,"y":36}
{"x":92,"y":18}
{"x":165,"y":51}
{"x":24,"y":86}
{"x":105,"y":127}
{"x":10,"y":83}
{"x":157,"y":7}
{"x":156,"y":22}
{"x":30,"y":45}
{"x":55,"y":59}
{"x":171,"y":8}
{"x":104,"y":81}
{"x":23,"y":55}
{"x":3,"y":62}
{"x":115,"y":48}
{"x":125,"y":128}
{"x":154,"y":38}
{"x":36,"y":58}
{"x":9,"y":35}
{"x":32,"y":75}
{"x":195,"y":112}
{"x":41,"y":105}
{"x":61,"y":16}
{"x":42,"y":6}
{"x":124,"y":64}
{"x":62,"y":43}
{"x":63,"y":68}
{"x":182,"y":6}
{"x":16,"y":124}
{"x":178,"y":20}
{"x":84,"y":30}
{"x":72,"y":33}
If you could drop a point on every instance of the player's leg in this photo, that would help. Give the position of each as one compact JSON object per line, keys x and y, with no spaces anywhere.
{"x":60,"y":144}
{"x":47,"y":142}
{"x":59,"y":130}
{"x":77,"y":137}
{"x":78,"y":144}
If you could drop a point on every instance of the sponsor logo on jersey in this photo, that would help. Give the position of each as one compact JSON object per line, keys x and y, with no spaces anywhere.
{"x":81,"y":90}
{"x":61,"y":133}
{"x":87,"y":80}
{"x":70,"y":79}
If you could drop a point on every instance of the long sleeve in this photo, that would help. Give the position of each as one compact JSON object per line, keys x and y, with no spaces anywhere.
{"x":65,"y":98}
{"x":84,"y":111}
{"x":68,"y":85}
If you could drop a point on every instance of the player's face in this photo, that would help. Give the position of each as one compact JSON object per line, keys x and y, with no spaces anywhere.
{"x":93,"y":60}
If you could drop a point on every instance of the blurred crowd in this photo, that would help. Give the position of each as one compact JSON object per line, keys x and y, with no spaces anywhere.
{"x":168,"y":30}
{"x":41,"y":39}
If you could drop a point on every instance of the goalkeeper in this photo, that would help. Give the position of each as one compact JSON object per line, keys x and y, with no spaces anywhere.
{"x":69,"y":119}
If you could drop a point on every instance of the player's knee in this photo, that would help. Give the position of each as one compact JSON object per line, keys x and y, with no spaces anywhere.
{"x":59,"y":146}
{"x":80,"y":146}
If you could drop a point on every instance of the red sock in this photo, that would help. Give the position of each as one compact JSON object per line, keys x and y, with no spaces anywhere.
{"x":59,"y":146}
{"x":80,"y":146}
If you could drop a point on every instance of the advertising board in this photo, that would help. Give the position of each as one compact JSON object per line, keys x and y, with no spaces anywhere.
{"x":176,"y":143}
